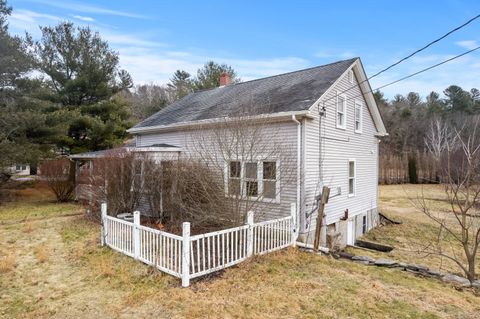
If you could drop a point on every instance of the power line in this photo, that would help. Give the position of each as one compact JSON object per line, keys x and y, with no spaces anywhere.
{"x":414,"y":74}
{"x":429,"y":68}
{"x":412,"y":54}
{"x":425,"y":47}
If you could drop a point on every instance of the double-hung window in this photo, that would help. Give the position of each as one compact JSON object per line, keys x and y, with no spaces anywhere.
{"x":269,"y":178}
{"x":358,"y":117}
{"x":251,"y":179}
{"x":351,"y":177}
{"x":341,"y":111}
{"x":234,"y":177}
{"x":256,"y":179}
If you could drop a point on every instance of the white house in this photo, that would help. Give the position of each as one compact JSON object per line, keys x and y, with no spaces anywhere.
{"x":321,"y":126}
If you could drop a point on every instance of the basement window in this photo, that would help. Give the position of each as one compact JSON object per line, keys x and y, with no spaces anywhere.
{"x":341,"y":111}
{"x":364,"y":224}
{"x":351,"y":177}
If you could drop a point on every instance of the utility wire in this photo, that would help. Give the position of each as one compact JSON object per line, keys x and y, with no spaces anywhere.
{"x":411,"y":55}
{"x":416,"y":73}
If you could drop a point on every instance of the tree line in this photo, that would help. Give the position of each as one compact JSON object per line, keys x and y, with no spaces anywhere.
{"x":404,"y":155}
{"x":66,"y":93}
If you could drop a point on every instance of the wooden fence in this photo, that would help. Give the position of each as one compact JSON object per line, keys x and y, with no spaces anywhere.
{"x":188,"y":257}
{"x":393,"y":169}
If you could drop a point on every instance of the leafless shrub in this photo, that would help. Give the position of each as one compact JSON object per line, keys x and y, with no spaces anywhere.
{"x":116,"y":179}
{"x":59,"y":175}
{"x":182,"y":190}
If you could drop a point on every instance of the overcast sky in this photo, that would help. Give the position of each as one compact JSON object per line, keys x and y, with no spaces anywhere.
{"x":262,"y":38}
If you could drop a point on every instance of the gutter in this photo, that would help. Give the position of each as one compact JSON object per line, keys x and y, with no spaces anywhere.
{"x":299,"y":137}
{"x":191,"y":124}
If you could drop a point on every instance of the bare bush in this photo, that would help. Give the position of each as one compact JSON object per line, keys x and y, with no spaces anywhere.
{"x":59,"y":175}
{"x":186,"y":190}
{"x":458,"y":152}
{"x":116,"y":179}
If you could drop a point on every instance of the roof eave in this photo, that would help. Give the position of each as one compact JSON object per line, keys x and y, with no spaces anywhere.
{"x":192,"y":124}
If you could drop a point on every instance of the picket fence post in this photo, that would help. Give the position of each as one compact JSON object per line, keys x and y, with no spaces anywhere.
{"x":294,"y":230}
{"x":103,"y":217}
{"x":250,"y":234}
{"x":186,"y":255}
{"x":136,"y":234}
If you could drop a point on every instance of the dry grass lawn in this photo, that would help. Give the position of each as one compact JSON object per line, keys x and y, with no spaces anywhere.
{"x":417,"y":231}
{"x":76,"y":278}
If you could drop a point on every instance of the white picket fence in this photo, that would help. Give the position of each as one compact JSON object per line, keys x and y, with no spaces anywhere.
{"x":188,"y":257}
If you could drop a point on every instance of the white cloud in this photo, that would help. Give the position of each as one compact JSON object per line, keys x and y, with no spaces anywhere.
{"x":147,"y":66}
{"x":467,"y":44}
{"x":87,"y":8}
{"x":83,"y":18}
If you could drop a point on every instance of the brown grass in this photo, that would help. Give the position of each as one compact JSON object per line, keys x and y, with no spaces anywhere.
{"x":42,"y":253}
{"x":28,"y":227}
{"x":8,"y":262}
{"x":83,"y":280}
{"x":417,"y":230}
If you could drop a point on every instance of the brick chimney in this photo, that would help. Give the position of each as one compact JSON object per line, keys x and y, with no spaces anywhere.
{"x":225,"y":79}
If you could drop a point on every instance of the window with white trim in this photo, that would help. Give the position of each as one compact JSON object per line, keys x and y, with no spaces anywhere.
{"x":364,"y":224}
{"x":269,"y":179}
{"x":341,"y":111}
{"x":350,"y":76}
{"x":358,"y":117}
{"x":351,"y":177}
{"x":253,"y":179}
{"x":234,"y":177}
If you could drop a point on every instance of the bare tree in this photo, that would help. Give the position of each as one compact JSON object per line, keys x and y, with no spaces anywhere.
{"x":59,"y":175}
{"x":458,"y":154}
{"x":252,"y":158}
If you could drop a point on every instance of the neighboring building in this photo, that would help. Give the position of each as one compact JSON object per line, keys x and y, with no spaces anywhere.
{"x":321,"y":126}
{"x":19,"y":169}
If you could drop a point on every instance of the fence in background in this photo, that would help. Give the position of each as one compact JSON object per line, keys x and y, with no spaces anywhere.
{"x":188,"y":257}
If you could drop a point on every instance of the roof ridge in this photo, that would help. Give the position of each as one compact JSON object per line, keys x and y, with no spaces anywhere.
{"x":276,"y":75}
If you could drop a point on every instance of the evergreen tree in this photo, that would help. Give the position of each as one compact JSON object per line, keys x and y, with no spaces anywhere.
{"x":83,"y":79}
{"x":208,"y":76}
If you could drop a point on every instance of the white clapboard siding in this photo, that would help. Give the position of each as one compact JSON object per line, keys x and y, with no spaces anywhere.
{"x":283,"y":134}
{"x":338,"y":146}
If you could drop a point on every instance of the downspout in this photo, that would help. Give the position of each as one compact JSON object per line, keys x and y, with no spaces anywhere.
{"x":299,"y":149}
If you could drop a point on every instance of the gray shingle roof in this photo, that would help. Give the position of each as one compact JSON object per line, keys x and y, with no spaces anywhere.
{"x":294,"y":91}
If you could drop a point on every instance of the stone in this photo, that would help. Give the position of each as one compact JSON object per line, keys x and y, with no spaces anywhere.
{"x":415,"y":267}
{"x":456,"y":280}
{"x":434,"y":273}
{"x":385,"y":262}
{"x":363,"y":258}
{"x":476,"y":284}
{"x":402,"y":265}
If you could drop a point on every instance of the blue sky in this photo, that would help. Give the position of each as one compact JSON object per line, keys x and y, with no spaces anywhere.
{"x":262,"y":38}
